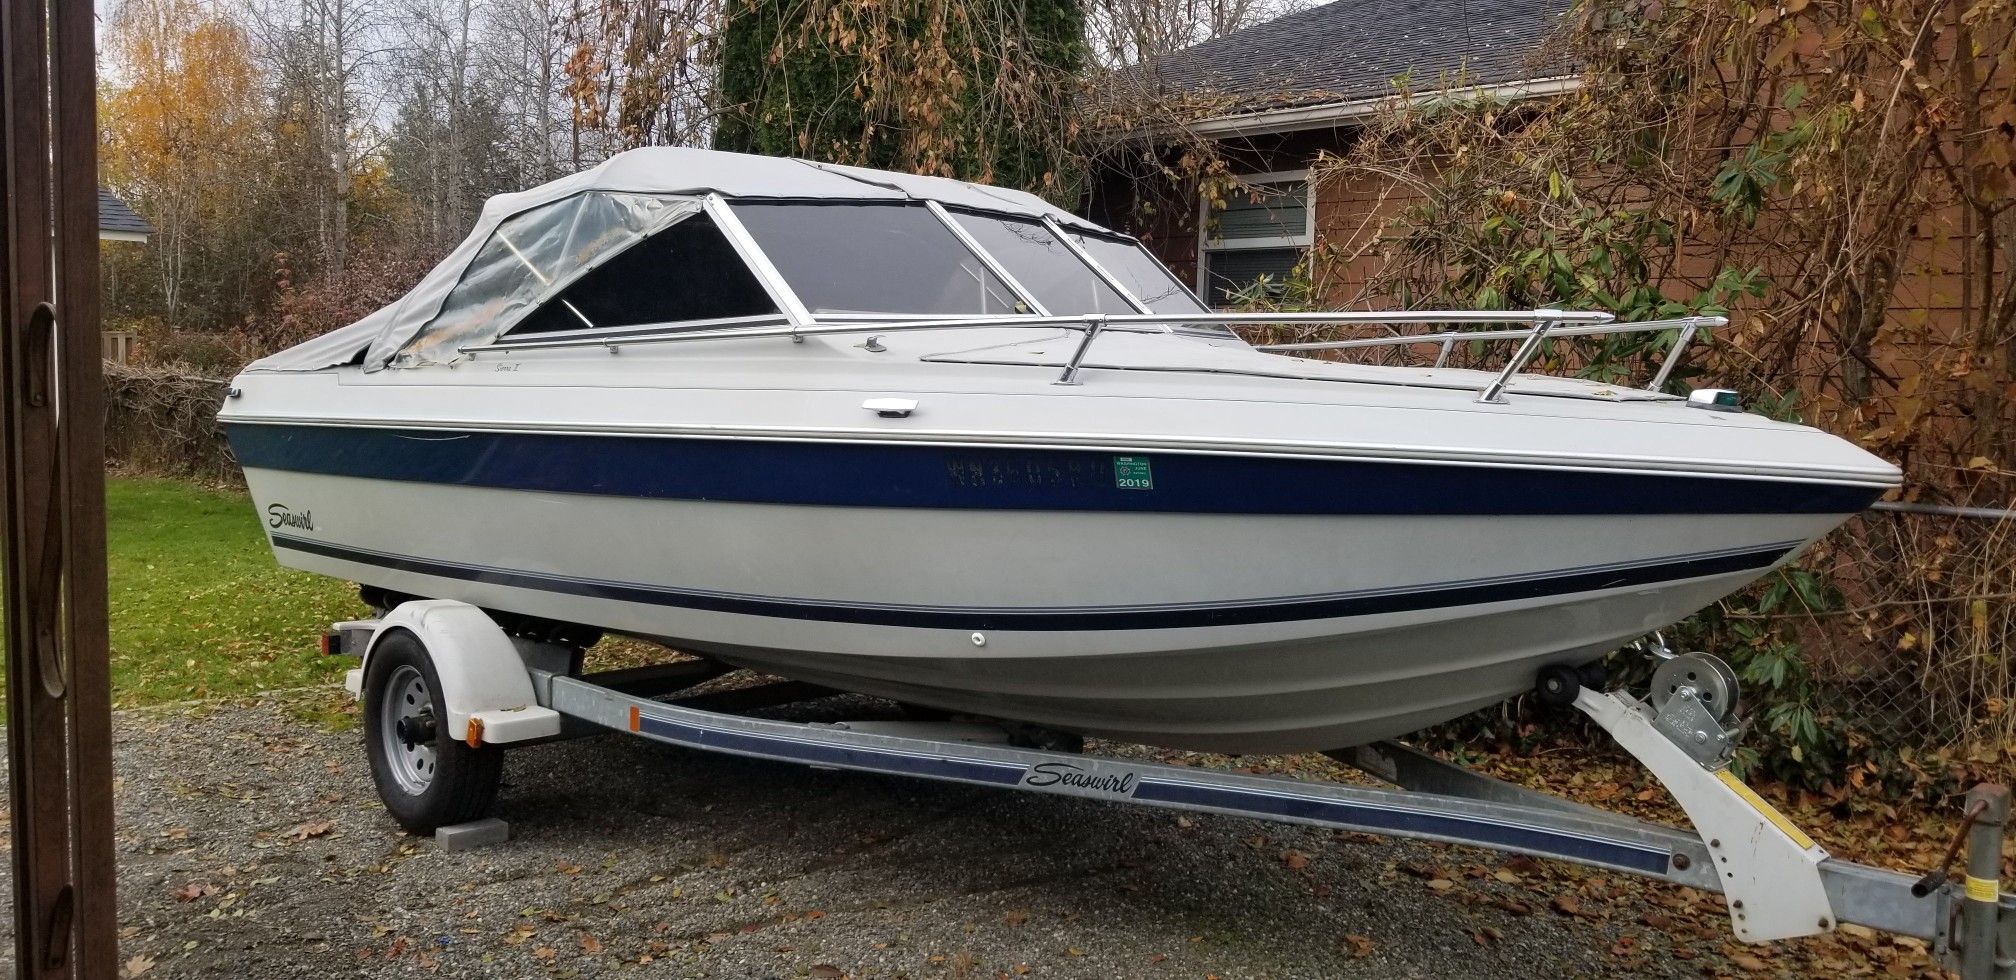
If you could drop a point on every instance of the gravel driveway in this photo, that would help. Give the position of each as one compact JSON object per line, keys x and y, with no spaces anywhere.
{"x":251,"y":845}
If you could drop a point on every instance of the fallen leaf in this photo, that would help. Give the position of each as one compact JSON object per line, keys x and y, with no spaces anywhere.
{"x":544,"y":953}
{"x":195,"y":890}
{"x":139,"y":965}
{"x":1361,"y":946}
{"x":827,"y":971}
{"x":318,"y":828}
{"x":1567,"y":905}
{"x":1294,"y":860}
{"x":590,"y":944}
{"x":1441,"y":884}
{"x":1750,"y":963}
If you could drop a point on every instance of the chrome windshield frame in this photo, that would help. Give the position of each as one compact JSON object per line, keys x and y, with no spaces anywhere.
{"x":1140,"y":303}
{"x":752,"y":254}
{"x":1093,"y":264}
{"x":986,"y":258}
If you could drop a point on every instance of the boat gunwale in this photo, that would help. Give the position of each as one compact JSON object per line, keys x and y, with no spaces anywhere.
{"x":1115,"y":443}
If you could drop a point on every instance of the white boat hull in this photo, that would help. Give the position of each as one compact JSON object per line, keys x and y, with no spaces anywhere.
{"x":1327,"y":641}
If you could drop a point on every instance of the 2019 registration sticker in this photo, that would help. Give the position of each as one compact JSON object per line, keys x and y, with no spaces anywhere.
{"x":1133,"y":473}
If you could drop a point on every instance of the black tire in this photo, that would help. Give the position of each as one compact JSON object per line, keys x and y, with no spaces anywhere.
{"x":458,"y":783}
{"x":1558,"y":685}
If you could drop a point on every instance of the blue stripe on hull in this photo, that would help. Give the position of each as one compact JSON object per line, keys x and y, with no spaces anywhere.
{"x":898,"y":475}
{"x":1174,"y":616}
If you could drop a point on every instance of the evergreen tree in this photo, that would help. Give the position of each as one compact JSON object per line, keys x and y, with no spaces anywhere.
{"x":957,"y":88}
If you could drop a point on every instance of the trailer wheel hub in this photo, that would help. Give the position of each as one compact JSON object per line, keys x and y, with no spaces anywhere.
{"x":408,"y":729}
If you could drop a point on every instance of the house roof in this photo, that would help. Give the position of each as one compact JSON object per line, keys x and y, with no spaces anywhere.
{"x":1354,"y":49}
{"x":116,"y":221}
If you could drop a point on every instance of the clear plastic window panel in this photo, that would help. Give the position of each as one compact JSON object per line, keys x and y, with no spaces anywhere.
{"x":685,"y":272}
{"x":533,"y":255}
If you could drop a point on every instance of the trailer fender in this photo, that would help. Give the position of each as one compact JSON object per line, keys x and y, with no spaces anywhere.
{"x":483,"y":678}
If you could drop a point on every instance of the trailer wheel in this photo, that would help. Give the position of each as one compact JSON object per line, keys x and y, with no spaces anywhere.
{"x":425,"y":778}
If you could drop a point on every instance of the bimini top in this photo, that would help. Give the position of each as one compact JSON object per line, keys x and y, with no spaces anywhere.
{"x":690,"y":237}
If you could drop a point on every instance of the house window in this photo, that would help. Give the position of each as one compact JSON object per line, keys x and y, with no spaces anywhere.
{"x":1266,"y":228}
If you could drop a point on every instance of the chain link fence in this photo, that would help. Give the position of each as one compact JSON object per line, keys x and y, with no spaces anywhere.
{"x":1916,"y":655}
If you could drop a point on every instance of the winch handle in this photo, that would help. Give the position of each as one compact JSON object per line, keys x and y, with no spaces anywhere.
{"x":1936,"y":878}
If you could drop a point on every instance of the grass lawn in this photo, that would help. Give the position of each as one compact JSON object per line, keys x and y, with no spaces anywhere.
{"x":199,"y":609}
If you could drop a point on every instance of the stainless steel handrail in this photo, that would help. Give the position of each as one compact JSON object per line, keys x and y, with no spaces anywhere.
{"x":1546,"y":324}
{"x":1687,"y":326}
{"x":1452,"y":336}
{"x":1071,"y":321}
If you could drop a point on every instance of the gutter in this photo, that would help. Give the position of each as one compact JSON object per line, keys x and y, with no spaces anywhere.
{"x":1331,"y":114}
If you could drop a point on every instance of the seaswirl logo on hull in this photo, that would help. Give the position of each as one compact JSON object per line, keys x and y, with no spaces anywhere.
{"x":1065,"y":774}
{"x":278,"y":516}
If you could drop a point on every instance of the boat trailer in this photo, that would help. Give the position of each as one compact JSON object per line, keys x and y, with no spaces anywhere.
{"x":445,"y":689}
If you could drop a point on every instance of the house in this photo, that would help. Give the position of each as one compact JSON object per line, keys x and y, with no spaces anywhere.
{"x":1279,"y":94}
{"x":117,"y":222}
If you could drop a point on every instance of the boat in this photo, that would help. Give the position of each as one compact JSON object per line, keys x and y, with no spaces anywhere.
{"x":949,"y":445}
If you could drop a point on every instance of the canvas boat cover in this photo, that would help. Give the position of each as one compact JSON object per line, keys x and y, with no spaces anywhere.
{"x":556,"y":230}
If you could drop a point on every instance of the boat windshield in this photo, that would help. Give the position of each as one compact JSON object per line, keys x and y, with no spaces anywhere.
{"x":1046,"y":269}
{"x":1139,"y":273}
{"x":875,"y":258}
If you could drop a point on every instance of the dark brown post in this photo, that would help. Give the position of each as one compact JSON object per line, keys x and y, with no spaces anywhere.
{"x":53,"y":494}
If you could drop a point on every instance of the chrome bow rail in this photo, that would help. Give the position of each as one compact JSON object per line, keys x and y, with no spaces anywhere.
{"x":1545,"y":324}
{"x":1549,"y":325}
